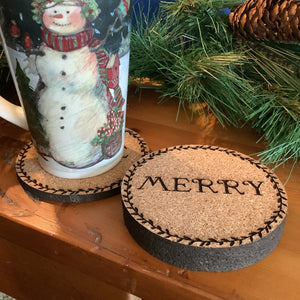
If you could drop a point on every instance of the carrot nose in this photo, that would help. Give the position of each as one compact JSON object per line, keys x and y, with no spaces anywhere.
{"x":59,"y":16}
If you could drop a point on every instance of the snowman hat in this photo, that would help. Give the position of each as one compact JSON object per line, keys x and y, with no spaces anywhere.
{"x":89,"y":8}
{"x":63,"y":2}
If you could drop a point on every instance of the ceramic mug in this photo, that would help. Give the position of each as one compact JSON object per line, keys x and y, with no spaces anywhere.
{"x":69,"y":60}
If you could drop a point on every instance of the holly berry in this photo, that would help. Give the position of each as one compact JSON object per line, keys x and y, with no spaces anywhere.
{"x":14,"y":29}
{"x":27,"y":41}
{"x":36,"y":4}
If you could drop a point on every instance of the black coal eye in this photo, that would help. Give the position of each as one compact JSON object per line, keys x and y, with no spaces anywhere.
{"x":55,"y":11}
{"x":68,"y":12}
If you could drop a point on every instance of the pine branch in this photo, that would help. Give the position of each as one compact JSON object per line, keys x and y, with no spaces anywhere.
{"x":276,"y":114}
{"x":188,"y":47}
{"x":279,"y":126}
{"x":197,"y":65}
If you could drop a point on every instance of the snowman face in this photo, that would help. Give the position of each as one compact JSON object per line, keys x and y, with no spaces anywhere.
{"x":64,"y":19}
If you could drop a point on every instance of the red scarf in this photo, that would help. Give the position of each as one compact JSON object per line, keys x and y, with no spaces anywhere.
{"x":84,"y":38}
{"x":64,"y":43}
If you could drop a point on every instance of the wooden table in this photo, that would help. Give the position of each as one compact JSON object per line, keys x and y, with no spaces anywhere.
{"x":83,"y":251}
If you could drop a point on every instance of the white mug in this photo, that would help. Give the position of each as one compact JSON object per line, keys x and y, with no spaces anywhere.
{"x":69,"y":60}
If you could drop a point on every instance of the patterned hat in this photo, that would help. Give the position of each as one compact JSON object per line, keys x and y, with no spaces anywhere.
{"x":89,"y":8}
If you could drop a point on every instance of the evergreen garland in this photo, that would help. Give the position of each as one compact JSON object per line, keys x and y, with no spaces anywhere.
{"x":276,"y":113}
{"x":188,"y":48}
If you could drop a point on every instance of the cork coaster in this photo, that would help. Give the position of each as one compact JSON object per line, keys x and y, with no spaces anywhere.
{"x":41,"y":185}
{"x":204,"y":208}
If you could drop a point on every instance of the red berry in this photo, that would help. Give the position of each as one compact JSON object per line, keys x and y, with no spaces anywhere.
{"x":27,"y":41}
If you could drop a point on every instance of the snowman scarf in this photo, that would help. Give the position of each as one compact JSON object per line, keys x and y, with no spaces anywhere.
{"x":84,"y":38}
{"x":67,"y":43}
{"x":74,"y":42}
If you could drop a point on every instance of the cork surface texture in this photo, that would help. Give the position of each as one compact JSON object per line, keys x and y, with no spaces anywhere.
{"x":204,"y":197}
{"x":41,"y":185}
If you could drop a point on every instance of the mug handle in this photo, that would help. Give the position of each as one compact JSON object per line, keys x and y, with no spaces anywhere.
{"x":13,"y":113}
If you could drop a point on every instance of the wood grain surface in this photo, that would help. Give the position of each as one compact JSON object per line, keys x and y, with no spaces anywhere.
{"x":83,"y":251}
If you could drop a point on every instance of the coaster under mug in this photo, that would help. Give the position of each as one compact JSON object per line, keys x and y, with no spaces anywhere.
{"x":40,"y":185}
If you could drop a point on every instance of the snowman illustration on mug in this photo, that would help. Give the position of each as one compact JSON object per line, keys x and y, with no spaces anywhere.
{"x":79,"y":99}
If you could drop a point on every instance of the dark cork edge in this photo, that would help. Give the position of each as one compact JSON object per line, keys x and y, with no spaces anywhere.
{"x":41,"y":192}
{"x":230,"y":242}
{"x":202,"y":258}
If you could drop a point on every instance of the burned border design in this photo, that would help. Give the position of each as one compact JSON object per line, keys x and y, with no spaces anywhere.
{"x":233,"y":241}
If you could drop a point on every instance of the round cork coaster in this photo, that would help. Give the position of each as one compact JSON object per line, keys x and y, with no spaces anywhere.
{"x":204,"y":208}
{"x":41,"y":185}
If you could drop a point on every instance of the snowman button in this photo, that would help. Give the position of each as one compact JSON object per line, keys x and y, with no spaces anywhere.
{"x":64,"y":56}
{"x":63,"y":88}
{"x":62,"y":127}
{"x":63,"y":108}
{"x":63,"y":73}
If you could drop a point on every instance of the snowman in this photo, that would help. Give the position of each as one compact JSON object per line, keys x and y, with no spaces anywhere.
{"x":73,"y":100}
